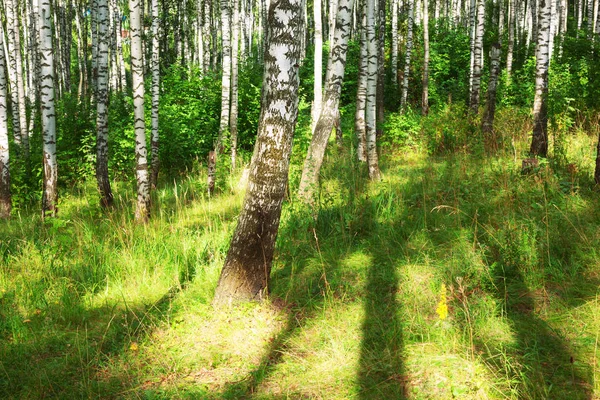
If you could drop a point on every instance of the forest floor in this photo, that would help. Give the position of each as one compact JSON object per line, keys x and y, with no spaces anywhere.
{"x":456,"y":276}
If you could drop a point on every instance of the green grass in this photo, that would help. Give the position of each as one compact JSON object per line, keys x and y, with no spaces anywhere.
{"x":94,"y":306}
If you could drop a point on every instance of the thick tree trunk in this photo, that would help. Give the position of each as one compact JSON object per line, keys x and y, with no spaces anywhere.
{"x":409,"y":45}
{"x":106,"y":196}
{"x":425,"y":95}
{"x":490,"y":108}
{"x":155,"y":94}
{"x":5,"y":200}
{"x":330,"y":111}
{"x":142,"y":211}
{"x":477,"y":52}
{"x":371,"y":105}
{"x":50,"y":174}
{"x":539,"y":141}
{"x":361,"y":92}
{"x":245,"y":275}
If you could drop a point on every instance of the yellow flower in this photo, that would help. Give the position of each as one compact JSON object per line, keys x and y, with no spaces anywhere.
{"x":134,"y":346}
{"x":442,"y":307}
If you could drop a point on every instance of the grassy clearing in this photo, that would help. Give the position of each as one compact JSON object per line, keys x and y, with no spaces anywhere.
{"x":92,"y":305}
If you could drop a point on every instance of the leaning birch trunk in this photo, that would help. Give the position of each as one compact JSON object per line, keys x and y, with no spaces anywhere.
{"x":106,"y":195}
{"x":409,"y":44}
{"x":5,"y":200}
{"x":155,"y":60}
{"x":425,"y":95}
{"x":50,"y":175}
{"x":487,"y":125}
{"x":511,"y":39}
{"x":394,"y":59}
{"x":361,"y":92}
{"x":330,"y":111}
{"x":233,"y":116}
{"x":477,"y":52}
{"x":318,"y":68}
{"x":225,"y":86}
{"x":247,"y":268}
{"x":370,"y":108}
{"x":539,"y":140}
{"x":142,"y":211}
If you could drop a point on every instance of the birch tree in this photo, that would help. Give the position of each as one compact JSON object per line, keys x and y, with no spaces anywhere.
{"x":425,"y":93}
{"x":361,"y":92}
{"x":106,"y":196}
{"x":407,"y":55}
{"x":371,"y":104}
{"x":330,"y":111}
{"x":233,"y":116}
{"x":247,"y":268}
{"x":318,"y":68}
{"x":142,"y":211}
{"x":490,"y":107}
{"x":155,"y":60}
{"x":5,"y":200}
{"x":511,"y":39}
{"x":50,"y":174}
{"x":394,"y":57}
{"x":477,"y":52}
{"x":539,"y":140}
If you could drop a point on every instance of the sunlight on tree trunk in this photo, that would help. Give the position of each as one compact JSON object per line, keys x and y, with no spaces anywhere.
{"x":5,"y":200}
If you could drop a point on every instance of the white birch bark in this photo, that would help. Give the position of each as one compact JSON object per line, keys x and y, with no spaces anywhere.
{"x":50,"y":174}
{"x":361,"y":93}
{"x":226,"y":77}
{"x":247,"y":268}
{"x":371,"y":104}
{"x":94,"y":31}
{"x":425,"y":94}
{"x":318,"y":67}
{"x":589,"y":20}
{"x":5,"y":199}
{"x":142,"y":211}
{"x":407,"y":55}
{"x":395,"y":40}
{"x":472,"y":35}
{"x":487,"y":125}
{"x":330,"y":112}
{"x":233,"y":117}
{"x":511,"y":39}
{"x":106,"y":196}
{"x":16,"y":76}
{"x":155,"y":66}
{"x":477,"y":52}
{"x":579,"y":15}
{"x":539,"y":141}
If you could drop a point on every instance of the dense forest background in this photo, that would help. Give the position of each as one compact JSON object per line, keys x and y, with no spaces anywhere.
{"x":434,"y":234}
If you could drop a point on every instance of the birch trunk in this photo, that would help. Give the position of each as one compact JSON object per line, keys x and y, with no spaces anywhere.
{"x":233,"y":117}
{"x":539,"y":140}
{"x":371,"y":104}
{"x":226,"y":77}
{"x":395,"y":41}
{"x":106,"y":196}
{"x":425,"y":95}
{"x":16,"y":77}
{"x":409,"y":45}
{"x":477,"y":52}
{"x":330,"y":112}
{"x":380,"y":24}
{"x":361,"y":93}
{"x":511,"y":39}
{"x":155,"y":59}
{"x":142,"y":211}
{"x":247,"y":268}
{"x":5,"y":200}
{"x":50,"y":175}
{"x":318,"y":68}
{"x":490,"y":107}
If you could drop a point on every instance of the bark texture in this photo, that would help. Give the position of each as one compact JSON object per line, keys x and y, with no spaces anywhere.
{"x":477,"y":52}
{"x":245,"y":275}
{"x":407,"y":54}
{"x":425,"y":94}
{"x":490,"y":107}
{"x":539,"y":140}
{"x":371,"y":105}
{"x":142,"y":211}
{"x":155,"y":60}
{"x":50,"y":174}
{"x":361,"y":93}
{"x":5,"y":200}
{"x":330,"y":111}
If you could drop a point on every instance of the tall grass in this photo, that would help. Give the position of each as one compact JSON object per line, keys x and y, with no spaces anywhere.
{"x":94,"y":306}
